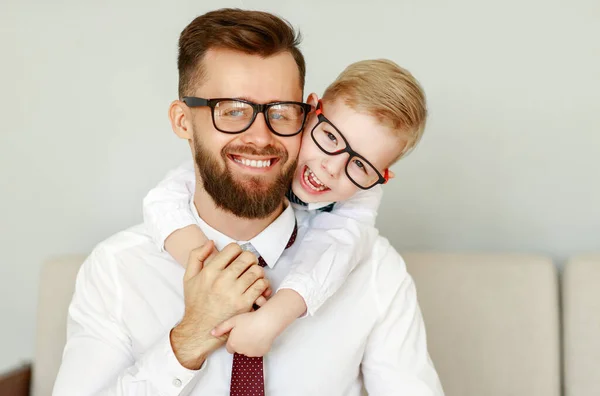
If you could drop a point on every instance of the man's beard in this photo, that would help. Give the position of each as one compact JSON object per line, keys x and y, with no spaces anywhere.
{"x":253,"y":198}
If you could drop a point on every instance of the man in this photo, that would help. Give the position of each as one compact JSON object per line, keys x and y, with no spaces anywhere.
{"x":134,"y":330}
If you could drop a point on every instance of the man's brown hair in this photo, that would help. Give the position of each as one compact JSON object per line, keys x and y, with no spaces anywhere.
{"x":251,"y":32}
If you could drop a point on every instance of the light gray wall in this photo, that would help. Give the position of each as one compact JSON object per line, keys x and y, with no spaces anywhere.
{"x":509,"y":161}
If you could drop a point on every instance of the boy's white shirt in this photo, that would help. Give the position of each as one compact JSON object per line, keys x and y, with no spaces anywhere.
{"x":338,"y":241}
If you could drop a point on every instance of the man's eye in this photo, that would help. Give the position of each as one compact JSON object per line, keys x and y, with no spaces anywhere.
{"x":278,"y":117}
{"x":234,"y":113}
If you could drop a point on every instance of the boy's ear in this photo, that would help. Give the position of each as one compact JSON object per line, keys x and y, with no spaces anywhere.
{"x":388,"y":175}
{"x":180,"y":123}
{"x":313,"y":100}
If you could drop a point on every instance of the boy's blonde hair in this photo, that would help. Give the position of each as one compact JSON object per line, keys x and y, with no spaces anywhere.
{"x":386,"y":91}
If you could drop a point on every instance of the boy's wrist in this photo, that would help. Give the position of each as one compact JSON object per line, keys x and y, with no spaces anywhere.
{"x":283,"y":308}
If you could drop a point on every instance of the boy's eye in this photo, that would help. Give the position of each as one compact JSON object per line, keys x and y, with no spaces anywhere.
{"x":359,"y":164}
{"x":331,"y":136}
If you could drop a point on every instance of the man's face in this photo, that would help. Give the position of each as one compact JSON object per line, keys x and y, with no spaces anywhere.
{"x":365,"y":135}
{"x":232,"y":167}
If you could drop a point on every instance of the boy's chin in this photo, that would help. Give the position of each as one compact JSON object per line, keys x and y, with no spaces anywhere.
{"x":298,"y":191}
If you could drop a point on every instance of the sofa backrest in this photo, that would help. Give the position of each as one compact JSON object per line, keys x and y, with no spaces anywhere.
{"x":581,"y":323}
{"x":492,"y":322}
{"x":57,"y":283}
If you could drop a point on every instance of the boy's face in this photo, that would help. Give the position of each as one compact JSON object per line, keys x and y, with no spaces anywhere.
{"x":321,"y":177}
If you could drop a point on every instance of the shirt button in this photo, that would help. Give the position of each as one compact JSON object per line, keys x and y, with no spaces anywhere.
{"x":177,"y":382}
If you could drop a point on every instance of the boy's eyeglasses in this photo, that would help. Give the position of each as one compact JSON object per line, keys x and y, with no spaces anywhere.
{"x":331,"y":141}
{"x":237,"y":115}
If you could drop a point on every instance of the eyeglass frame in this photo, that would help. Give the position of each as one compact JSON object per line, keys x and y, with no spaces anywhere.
{"x":383,"y":179}
{"x":192,"y":101}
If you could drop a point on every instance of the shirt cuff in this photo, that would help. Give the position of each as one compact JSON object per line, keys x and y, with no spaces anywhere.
{"x":172,"y":222}
{"x":164,"y":371}
{"x":307,"y":289}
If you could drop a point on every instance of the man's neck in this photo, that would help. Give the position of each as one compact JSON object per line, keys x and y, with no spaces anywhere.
{"x":240,"y":229}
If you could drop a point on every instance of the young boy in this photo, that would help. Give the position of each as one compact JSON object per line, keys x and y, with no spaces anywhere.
{"x":371,"y":116}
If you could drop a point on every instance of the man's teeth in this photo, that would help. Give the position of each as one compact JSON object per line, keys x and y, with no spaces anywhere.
{"x":311,"y":179}
{"x":253,"y":163}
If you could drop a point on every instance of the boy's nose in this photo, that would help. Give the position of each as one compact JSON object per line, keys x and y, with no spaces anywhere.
{"x":334,"y":165}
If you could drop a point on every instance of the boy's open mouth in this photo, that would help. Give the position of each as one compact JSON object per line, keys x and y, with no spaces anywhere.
{"x":312,"y":181}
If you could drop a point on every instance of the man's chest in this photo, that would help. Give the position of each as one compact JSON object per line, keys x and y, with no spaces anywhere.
{"x":308,"y":358}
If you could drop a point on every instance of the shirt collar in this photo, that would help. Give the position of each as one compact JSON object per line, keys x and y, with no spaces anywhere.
{"x":270,"y":243}
{"x":311,"y":206}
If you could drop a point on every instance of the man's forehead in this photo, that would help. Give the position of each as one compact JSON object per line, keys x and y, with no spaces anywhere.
{"x":235,"y":74}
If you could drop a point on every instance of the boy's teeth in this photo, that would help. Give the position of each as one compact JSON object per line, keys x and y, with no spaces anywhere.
{"x":312,"y":180}
{"x":253,"y":163}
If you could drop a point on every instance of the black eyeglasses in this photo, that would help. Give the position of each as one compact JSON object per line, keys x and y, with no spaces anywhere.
{"x":331,"y":141}
{"x":237,"y":115}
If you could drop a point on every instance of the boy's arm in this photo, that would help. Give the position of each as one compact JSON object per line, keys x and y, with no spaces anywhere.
{"x":333,"y":246}
{"x":168,"y":216}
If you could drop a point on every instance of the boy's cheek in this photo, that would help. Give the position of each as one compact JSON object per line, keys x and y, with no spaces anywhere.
{"x":344,"y":191}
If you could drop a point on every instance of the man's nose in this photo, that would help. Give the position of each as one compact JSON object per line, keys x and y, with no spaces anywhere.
{"x":334,"y":164}
{"x":259,"y":133}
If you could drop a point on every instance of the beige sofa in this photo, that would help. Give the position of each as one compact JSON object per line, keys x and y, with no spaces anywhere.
{"x":493,"y":324}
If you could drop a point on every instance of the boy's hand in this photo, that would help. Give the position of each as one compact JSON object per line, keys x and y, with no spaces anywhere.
{"x":250,"y":334}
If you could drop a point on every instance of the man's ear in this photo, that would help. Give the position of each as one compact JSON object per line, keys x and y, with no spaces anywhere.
{"x":180,"y":122}
{"x":313,"y":100}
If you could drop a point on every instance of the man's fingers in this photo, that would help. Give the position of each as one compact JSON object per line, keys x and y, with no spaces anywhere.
{"x":241,"y":265}
{"x":246,"y":280}
{"x":212,"y":254}
{"x":223,"y":258}
{"x":256,"y":290}
{"x":223,"y":328}
{"x":260,"y":301}
{"x":196,"y":260}
{"x":229,"y":348}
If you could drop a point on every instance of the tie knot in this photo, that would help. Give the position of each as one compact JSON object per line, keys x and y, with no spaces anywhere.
{"x":249,"y":248}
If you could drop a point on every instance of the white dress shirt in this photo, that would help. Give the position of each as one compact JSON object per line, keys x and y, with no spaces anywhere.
{"x":338,"y":240}
{"x":129,"y":295}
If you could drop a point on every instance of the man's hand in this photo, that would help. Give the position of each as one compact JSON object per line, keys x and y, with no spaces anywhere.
{"x":215,"y":289}
{"x":250,"y":334}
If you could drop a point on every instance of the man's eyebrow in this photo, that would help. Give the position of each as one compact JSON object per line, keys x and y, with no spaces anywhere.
{"x":249,"y":99}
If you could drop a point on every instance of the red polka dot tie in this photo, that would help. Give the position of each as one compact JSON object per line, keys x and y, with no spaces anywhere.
{"x":247,"y":376}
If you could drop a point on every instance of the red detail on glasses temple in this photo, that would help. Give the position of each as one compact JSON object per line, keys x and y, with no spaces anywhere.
{"x":386,"y":176}
{"x":319,"y":107}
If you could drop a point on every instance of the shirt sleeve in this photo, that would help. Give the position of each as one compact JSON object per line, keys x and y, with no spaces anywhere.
{"x":98,"y":358}
{"x":335,"y":243}
{"x":396,"y":361}
{"x":167,"y":206}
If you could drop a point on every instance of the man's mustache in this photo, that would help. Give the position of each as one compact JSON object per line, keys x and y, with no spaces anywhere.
{"x":268,"y":151}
